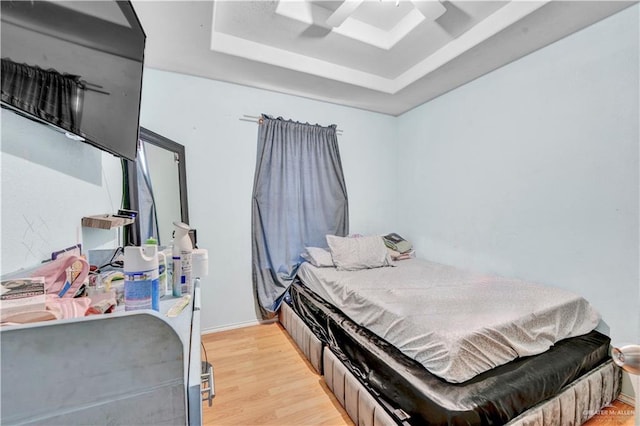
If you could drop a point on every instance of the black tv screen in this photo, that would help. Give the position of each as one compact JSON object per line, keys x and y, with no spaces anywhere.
{"x":76,"y":65}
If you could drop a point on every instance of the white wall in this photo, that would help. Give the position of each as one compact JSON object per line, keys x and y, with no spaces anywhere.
{"x":204,"y":116}
{"x":49,"y":182}
{"x":532,"y":171}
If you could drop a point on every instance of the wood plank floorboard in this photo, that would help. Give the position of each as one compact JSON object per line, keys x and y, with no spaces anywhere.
{"x":262,"y":378}
{"x":618,"y":414}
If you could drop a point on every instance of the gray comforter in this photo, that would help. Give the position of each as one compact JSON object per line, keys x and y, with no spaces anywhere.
{"x":456,"y":323}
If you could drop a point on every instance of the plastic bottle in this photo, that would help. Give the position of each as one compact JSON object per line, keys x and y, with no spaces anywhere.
{"x":141,"y":278}
{"x":175,"y":269}
{"x":200,"y":263}
{"x":182,"y":251}
{"x":163,"y":284}
{"x":168,"y":251}
{"x":168,"y":255}
{"x":162,"y":268}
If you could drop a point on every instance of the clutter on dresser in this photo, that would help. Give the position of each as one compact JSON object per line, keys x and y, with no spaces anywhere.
{"x":61,"y":288}
{"x":75,"y":285}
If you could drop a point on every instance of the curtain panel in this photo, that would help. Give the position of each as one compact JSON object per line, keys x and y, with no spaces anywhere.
{"x":47,"y":94}
{"x":147,"y":212}
{"x":299,"y":196}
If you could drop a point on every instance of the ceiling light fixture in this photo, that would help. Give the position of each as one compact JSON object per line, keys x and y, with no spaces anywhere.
{"x":343,"y":12}
{"x":431,"y":10}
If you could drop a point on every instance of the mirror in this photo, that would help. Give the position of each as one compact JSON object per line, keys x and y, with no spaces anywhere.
{"x":157,"y":188}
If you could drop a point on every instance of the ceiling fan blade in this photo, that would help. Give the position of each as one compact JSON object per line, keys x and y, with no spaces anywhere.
{"x":342,"y":12}
{"x":430,"y":9}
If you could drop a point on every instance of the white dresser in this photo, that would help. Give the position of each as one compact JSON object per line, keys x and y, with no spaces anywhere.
{"x":125,"y":368}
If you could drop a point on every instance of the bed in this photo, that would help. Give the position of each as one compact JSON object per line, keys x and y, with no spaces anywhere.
{"x":417,"y":342}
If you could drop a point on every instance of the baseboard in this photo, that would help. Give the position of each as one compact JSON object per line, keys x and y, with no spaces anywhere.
{"x":629,"y":388}
{"x":629,"y":400}
{"x":237,"y":325}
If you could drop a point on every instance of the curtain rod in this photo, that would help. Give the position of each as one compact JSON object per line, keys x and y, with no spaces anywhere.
{"x":259,"y":120}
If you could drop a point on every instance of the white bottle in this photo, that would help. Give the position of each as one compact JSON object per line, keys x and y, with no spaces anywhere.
{"x":162,"y":268}
{"x":168,"y":251}
{"x":168,"y":256}
{"x":182,"y":252}
{"x":141,"y":278}
{"x":163,"y":284}
{"x":175,"y":271}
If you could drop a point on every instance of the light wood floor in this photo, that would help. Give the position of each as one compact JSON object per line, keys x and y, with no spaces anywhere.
{"x":620,"y":414}
{"x":261,"y":378}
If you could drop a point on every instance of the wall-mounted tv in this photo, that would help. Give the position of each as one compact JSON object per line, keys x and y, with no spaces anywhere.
{"x":76,"y":65}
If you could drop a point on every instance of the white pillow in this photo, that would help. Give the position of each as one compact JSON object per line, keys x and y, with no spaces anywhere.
{"x":318,"y":257}
{"x":352,"y":254}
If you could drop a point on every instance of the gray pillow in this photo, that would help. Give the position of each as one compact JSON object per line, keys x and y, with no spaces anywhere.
{"x":318,"y":257}
{"x":352,"y":254}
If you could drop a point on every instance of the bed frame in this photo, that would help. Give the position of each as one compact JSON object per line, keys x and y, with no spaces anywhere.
{"x":575,"y":404}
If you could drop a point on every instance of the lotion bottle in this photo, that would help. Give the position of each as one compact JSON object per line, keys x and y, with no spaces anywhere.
{"x":182,"y":252}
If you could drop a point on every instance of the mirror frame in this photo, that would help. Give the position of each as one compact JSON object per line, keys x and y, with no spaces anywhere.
{"x":130,"y":181}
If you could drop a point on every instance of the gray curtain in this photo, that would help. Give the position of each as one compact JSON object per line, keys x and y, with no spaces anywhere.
{"x":299,"y":196}
{"x":147,"y":216}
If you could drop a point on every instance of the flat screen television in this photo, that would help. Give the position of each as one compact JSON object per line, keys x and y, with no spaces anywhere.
{"x":77,"y":66}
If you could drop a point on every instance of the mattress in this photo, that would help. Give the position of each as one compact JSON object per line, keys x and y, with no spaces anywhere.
{"x":455,"y":323}
{"x":412,"y":395}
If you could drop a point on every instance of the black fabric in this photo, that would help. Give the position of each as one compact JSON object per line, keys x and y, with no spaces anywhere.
{"x":47,"y":94}
{"x":491,"y":398}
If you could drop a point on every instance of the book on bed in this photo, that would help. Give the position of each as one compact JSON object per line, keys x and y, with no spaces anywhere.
{"x":397,"y":243}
